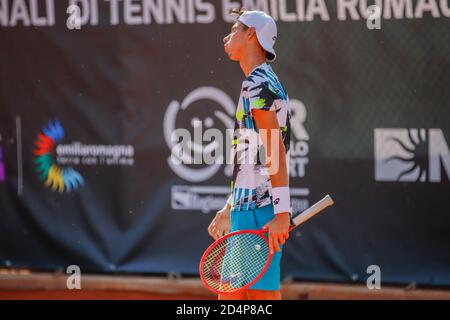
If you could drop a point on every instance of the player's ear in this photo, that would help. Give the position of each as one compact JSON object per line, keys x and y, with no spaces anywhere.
{"x":251,"y":32}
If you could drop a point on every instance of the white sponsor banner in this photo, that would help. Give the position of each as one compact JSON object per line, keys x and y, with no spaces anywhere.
{"x":41,"y":13}
{"x":212,"y":198}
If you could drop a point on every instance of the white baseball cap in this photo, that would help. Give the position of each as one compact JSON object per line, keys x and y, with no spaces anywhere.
{"x":266,"y":30}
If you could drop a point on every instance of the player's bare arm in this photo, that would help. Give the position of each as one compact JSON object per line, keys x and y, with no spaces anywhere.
{"x":220,"y":225}
{"x":267,"y":122}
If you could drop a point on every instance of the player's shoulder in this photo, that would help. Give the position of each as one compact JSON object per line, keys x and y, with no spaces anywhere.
{"x":260,"y":76}
{"x":263,"y":82}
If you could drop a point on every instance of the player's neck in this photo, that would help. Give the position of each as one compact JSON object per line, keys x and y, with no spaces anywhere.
{"x":251,"y":60}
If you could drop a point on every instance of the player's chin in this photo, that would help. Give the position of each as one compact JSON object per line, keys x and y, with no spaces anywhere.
{"x":232,"y":57}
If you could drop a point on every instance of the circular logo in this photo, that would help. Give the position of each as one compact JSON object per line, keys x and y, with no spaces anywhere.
{"x":180,"y":158}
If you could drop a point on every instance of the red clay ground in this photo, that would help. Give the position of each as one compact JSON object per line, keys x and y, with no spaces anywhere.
{"x":26,"y":285}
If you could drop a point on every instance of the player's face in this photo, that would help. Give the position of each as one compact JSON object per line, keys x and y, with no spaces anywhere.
{"x":234,"y":43}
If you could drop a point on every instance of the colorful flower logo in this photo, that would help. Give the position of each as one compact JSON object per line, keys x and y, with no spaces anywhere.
{"x":57,"y":178}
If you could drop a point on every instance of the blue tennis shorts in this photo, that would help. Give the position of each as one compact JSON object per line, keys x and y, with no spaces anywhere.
{"x":255,"y":220}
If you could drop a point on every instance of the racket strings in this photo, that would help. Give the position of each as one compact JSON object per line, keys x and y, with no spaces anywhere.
{"x":235,"y":262}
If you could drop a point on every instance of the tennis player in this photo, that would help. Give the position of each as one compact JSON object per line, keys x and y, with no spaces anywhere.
{"x":260,"y":189}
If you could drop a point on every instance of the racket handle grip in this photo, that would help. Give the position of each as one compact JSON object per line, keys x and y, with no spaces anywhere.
{"x":312,"y":211}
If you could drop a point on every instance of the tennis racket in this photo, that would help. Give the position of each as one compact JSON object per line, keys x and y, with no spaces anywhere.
{"x":237,"y":260}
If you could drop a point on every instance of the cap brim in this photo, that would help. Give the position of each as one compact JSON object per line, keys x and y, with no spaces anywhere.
{"x":270,"y":52}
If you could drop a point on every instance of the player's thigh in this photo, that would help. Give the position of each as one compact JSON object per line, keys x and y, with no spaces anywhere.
{"x":264,"y":294}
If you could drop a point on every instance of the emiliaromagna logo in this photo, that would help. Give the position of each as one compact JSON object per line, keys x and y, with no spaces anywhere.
{"x":55,"y":161}
{"x":56,"y":177}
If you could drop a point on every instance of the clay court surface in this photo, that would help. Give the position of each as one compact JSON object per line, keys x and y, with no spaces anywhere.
{"x":26,"y":285}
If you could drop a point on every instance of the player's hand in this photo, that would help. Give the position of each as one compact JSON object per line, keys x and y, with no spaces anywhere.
{"x":220,"y":225}
{"x":278,"y":229}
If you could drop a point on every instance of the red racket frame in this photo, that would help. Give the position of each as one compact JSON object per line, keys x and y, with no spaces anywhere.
{"x":214,"y":244}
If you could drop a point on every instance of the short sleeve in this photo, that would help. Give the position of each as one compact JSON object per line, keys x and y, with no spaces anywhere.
{"x":261,"y":97}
